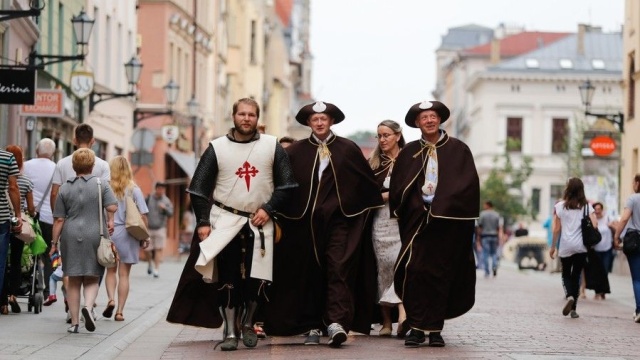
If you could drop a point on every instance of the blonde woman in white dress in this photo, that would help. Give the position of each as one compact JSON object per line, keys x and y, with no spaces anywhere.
{"x":386,"y":236}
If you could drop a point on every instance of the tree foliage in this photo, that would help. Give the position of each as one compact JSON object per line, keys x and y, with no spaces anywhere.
{"x":503,"y":186}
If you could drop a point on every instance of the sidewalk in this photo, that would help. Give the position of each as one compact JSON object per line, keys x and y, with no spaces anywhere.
{"x":517,"y":315}
{"x":44,"y":336}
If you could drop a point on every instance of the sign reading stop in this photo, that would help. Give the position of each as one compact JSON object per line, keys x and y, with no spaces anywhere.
{"x":603,"y":145}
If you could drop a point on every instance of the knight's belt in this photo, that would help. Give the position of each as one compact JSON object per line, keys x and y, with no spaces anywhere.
{"x":245,"y":214}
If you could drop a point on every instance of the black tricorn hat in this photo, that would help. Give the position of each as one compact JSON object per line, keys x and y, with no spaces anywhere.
{"x":317,"y":108}
{"x":415,"y":110}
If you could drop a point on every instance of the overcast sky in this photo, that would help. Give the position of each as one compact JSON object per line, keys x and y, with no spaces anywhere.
{"x":376,"y":58}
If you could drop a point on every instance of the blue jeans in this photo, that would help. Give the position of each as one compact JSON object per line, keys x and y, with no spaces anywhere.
{"x":634,"y":267}
{"x":5,"y":235}
{"x":489,"y":250}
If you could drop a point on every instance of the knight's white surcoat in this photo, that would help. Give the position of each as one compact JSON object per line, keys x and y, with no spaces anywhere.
{"x":244,"y":182}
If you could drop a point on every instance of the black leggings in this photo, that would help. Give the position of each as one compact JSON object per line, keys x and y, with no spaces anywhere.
{"x":236,"y":289}
{"x":13,"y":272}
{"x":571,"y":270}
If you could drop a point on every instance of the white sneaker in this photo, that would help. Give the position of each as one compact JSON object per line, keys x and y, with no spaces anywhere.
{"x":313,"y":338}
{"x":337,"y":335}
{"x":567,"y":307}
{"x":636,"y":317}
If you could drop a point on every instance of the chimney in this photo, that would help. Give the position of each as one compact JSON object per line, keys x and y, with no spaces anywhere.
{"x":582,"y":29}
{"x":495,"y":51}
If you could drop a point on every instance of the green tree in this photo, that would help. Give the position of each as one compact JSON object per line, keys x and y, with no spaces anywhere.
{"x":503,"y":186}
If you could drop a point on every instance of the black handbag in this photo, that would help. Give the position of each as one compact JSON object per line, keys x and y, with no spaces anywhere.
{"x":590,"y":235}
{"x":631,"y":242}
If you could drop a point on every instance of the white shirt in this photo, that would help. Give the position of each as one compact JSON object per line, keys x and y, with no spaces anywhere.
{"x":603,"y":226}
{"x":64,"y":170}
{"x":571,"y":233}
{"x":40,"y":172}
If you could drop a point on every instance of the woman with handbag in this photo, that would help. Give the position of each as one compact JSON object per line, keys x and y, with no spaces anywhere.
{"x":76,"y":231}
{"x":128,"y":247}
{"x":567,"y":220}
{"x":13,"y":273}
{"x":630,"y":224}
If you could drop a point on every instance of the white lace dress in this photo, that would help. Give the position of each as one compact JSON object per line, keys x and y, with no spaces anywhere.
{"x":386,"y":244}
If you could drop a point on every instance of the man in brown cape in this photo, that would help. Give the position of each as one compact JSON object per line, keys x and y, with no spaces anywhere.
{"x":435,"y":195}
{"x":324,"y":273}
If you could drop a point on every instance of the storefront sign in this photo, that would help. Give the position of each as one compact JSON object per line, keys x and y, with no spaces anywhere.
{"x":48,"y":103}
{"x":170,"y":133}
{"x":603,"y":145}
{"x":17,"y":86}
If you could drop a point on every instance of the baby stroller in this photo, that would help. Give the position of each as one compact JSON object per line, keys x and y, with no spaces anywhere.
{"x":32,"y":283}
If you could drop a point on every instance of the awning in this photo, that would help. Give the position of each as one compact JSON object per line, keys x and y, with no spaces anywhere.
{"x":186,"y":161}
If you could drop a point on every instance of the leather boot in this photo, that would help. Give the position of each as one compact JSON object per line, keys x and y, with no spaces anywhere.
{"x":249,"y":336}
{"x":229,"y":331}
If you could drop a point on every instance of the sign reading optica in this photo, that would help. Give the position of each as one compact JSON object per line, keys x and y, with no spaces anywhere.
{"x":49,"y":103}
{"x":603,"y":145}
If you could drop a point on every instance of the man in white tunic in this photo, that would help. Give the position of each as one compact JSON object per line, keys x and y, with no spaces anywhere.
{"x":247,"y":175}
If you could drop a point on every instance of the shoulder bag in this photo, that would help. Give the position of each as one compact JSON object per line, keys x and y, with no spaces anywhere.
{"x":27,"y":234}
{"x":631,"y":242}
{"x":590,"y":235}
{"x":134,"y":224}
{"x":107,"y":253}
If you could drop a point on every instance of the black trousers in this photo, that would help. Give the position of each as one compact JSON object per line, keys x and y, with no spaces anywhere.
{"x":234,"y":267}
{"x":571,"y":270}
{"x":13,"y":272}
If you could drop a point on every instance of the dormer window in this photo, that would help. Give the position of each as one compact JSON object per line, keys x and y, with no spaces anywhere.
{"x":597,"y":64}
{"x":566,"y":64}
{"x":532,"y":63}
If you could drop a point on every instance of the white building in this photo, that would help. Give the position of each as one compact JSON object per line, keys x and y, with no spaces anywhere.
{"x":533,"y":97}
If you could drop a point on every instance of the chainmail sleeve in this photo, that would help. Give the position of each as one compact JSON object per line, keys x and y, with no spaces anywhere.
{"x":283,"y":181}
{"x":201,"y":186}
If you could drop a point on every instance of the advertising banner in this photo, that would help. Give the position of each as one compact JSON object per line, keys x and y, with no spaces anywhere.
{"x":49,"y":103}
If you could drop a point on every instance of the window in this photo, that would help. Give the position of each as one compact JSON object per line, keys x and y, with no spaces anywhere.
{"x":532,"y":63}
{"x":597,"y":64}
{"x":535,"y":202}
{"x":559,"y":141}
{"x":555,"y":195}
{"x":514,"y":134}
{"x":60,"y":37}
{"x":566,"y":64}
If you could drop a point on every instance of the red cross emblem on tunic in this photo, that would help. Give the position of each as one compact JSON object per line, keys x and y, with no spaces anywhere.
{"x":247,"y":171}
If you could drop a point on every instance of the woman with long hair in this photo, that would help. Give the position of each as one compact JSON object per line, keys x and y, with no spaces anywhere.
{"x":128,"y":247}
{"x":567,"y":221}
{"x":14,"y":270}
{"x":630,"y":220}
{"x":386,"y":236}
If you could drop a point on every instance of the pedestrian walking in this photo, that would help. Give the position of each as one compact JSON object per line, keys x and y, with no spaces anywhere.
{"x":489,"y":232}
{"x":13,"y":275}
{"x":567,"y":220}
{"x":435,"y":198}
{"x":385,"y":232}
{"x":160,"y":210}
{"x":600,"y":257}
{"x":76,"y":232}
{"x":248,"y":176}
{"x":40,"y":171}
{"x":9,"y":193}
{"x":324,"y":272}
{"x":117,"y":278}
{"x":629,"y":225}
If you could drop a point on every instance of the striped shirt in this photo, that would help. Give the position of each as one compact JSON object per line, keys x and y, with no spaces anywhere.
{"x":26,"y":186}
{"x":8,"y":167}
